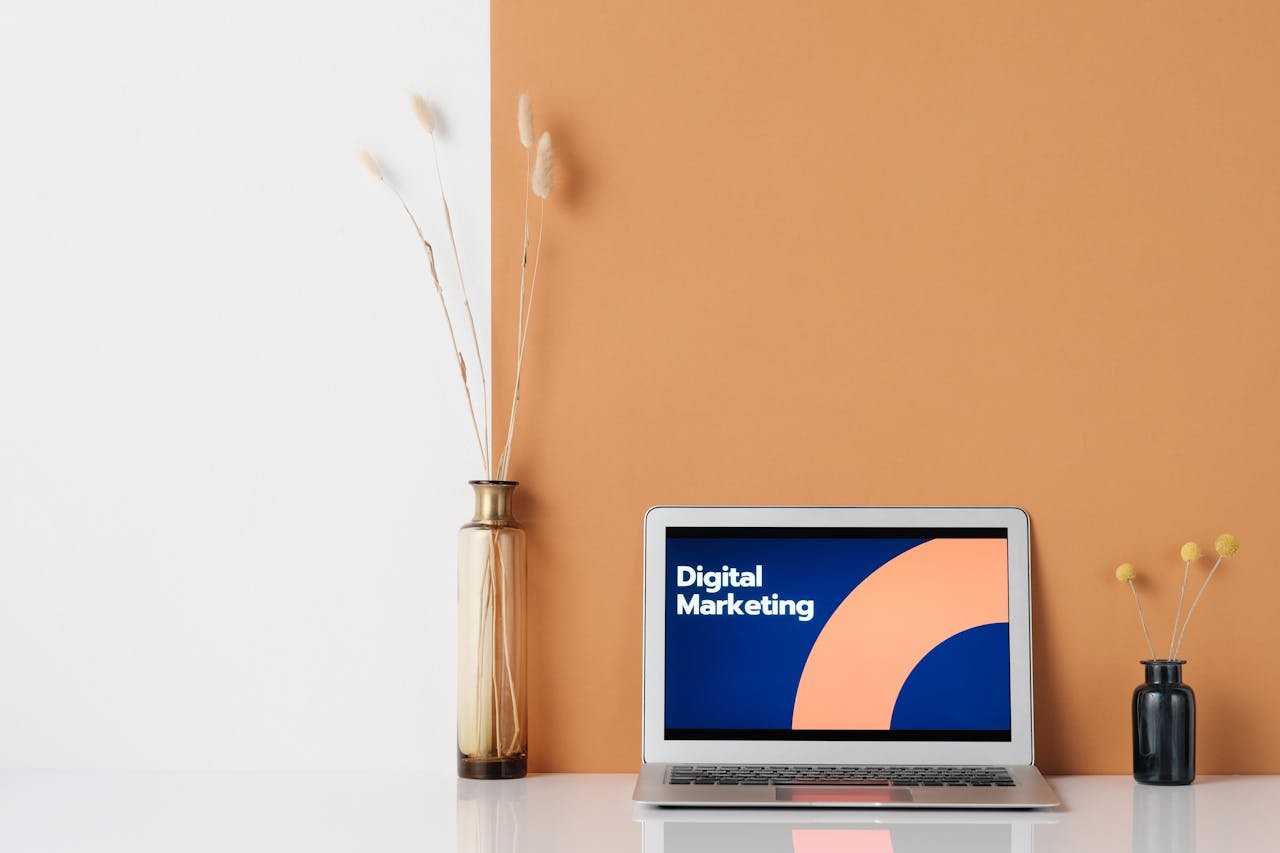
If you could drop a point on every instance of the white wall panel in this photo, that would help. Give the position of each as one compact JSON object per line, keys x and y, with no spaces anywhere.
{"x":232,"y":451}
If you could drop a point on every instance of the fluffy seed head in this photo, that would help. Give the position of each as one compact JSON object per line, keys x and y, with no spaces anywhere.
{"x":1125,"y":572}
{"x":1191,"y":551}
{"x":1226,"y":545}
{"x":524,"y":120}
{"x":542,"y":173}
{"x":370,"y":164}
{"x":422,"y":110}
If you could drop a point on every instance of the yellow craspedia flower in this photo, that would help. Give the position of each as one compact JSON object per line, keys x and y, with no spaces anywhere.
{"x":1191,"y":551}
{"x":1226,"y":545}
{"x":1125,"y":572}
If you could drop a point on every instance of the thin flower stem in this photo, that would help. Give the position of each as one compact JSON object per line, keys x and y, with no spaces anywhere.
{"x":1142,"y":617}
{"x":448,"y":320}
{"x":487,"y":721}
{"x":482,"y":748}
{"x":493,"y":619}
{"x":524,"y":266}
{"x":1173,"y":633}
{"x":537,"y":261}
{"x":1177,"y":650}
{"x":493,"y":654}
{"x":524,"y":247}
{"x":533,"y":289}
{"x":466,"y":301}
{"x":506,"y":646}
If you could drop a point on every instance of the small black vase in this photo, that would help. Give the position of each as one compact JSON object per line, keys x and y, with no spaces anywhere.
{"x":1164,"y":726}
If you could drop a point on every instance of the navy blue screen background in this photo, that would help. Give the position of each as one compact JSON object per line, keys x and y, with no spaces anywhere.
{"x":742,"y":672}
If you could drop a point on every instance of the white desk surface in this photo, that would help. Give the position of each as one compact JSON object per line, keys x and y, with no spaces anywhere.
{"x":44,"y":812}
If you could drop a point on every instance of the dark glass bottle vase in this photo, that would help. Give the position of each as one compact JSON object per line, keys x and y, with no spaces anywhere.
{"x":1164,"y":726}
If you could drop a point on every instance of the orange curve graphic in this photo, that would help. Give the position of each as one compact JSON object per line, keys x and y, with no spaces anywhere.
{"x":890,"y":621}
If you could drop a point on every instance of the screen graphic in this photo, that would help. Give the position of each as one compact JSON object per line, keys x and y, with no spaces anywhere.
{"x":837,"y":634}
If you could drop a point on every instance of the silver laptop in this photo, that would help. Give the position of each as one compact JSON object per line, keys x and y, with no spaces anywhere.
{"x":838,"y":657}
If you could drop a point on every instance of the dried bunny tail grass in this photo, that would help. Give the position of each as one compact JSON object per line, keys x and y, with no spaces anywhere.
{"x":524,"y":120}
{"x":462,"y":285}
{"x":371,"y":165}
{"x":422,"y":110}
{"x":542,"y":169}
{"x":448,"y":320}
{"x":541,"y":184}
{"x":366,"y":159}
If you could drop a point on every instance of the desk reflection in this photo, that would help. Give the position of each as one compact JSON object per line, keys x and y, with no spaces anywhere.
{"x":1164,"y":819}
{"x":491,"y":815}
{"x":555,"y":813}
{"x":791,"y":831}
{"x":561,"y":814}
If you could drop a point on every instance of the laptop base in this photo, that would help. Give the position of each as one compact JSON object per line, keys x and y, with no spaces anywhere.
{"x":1030,"y":790}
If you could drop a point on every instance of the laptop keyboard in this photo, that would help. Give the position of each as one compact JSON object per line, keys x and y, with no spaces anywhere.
{"x":829,"y":774}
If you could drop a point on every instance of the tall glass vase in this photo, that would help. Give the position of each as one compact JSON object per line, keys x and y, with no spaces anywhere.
{"x":492,"y":731}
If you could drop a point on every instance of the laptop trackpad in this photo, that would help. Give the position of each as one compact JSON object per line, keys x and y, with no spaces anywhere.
{"x":841,"y":794}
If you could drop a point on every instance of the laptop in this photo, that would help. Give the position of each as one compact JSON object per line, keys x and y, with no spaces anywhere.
{"x":861,"y":657}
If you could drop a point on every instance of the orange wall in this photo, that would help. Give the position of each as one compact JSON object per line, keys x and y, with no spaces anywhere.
{"x":904,"y":252}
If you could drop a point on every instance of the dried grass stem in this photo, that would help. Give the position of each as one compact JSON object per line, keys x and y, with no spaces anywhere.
{"x":523,"y":338}
{"x":1177,"y":649}
{"x":1177,"y":614}
{"x":466,"y":302}
{"x":448,"y":318}
{"x":1142,"y":617}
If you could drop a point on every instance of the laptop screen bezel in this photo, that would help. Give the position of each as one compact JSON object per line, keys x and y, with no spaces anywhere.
{"x":1019,"y":749}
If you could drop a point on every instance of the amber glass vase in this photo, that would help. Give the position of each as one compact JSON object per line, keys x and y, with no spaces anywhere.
{"x":492,"y":735}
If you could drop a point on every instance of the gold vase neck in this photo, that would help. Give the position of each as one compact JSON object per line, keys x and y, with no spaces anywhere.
{"x":493,"y":501}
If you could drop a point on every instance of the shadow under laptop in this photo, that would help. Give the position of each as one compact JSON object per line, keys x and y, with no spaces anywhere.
{"x":806,"y":831}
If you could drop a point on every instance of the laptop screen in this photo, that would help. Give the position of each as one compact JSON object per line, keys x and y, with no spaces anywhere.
{"x":837,"y":634}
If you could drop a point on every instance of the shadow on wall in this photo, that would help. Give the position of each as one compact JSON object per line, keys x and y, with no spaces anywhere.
{"x":1051,"y":737}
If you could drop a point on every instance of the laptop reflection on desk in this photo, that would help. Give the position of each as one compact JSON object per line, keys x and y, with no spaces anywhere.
{"x":796,"y":831}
